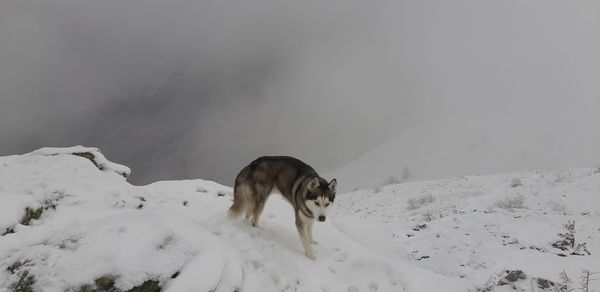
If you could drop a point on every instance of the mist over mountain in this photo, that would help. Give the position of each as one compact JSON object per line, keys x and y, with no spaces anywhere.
{"x":196,"y":89}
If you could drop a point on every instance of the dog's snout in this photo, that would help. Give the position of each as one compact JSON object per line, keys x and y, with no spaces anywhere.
{"x":321,"y":218}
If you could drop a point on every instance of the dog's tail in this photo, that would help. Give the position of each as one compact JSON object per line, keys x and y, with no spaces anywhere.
{"x":239,"y":203}
{"x":241,"y":193}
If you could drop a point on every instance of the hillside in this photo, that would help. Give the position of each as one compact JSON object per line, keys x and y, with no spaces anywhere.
{"x":73,"y":223}
{"x":500,"y":143}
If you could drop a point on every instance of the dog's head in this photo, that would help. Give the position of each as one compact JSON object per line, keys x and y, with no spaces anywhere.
{"x":319,"y":196}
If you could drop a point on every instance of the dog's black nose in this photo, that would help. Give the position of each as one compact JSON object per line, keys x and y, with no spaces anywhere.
{"x":321,"y":218}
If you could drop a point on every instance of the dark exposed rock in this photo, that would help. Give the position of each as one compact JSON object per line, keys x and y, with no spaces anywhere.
{"x":511,"y":277}
{"x":9,"y":230}
{"x":31,"y":214}
{"x":147,"y":286}
{"x":106,"y":283}
{"x":544,"y":284}
{"x":89,"y":156}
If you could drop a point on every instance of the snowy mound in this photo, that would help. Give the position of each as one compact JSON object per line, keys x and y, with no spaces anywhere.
{"x":93,"y":154}
{"x":70,"y":225}
{"x":144,"y":248}
{"x":66,"y":226}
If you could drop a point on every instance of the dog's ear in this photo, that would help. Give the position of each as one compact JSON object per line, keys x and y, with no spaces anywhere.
{"x":333,"y":185}
{"x":313,"y":184}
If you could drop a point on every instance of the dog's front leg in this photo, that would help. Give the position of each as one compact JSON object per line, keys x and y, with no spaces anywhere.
{"x":302,"y":231}
{"x":309,"y":226}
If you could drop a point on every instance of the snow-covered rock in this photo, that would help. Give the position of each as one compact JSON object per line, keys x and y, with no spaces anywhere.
{"x":91,"y":153}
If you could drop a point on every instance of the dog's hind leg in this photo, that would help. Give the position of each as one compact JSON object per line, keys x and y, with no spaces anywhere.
{"x":249,"y":210}
{"x":261,"y":193}
{"x":258,"y":208}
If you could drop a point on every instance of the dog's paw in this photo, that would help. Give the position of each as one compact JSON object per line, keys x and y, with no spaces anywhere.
{"x":311,"y":256}
{"x":312,"y":241}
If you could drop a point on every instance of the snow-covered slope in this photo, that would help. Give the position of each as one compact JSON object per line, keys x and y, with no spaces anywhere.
{"x":65,"y":225}
{"x":476,"y":227}
{"x":500,"y":143}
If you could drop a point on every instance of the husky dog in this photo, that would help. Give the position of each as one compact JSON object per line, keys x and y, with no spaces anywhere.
{"x":309,"y":194}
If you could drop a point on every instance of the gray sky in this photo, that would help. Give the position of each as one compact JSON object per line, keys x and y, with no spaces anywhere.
{"x":196,"y":89}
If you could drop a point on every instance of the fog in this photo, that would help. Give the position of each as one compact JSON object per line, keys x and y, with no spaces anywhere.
{"x":197,"y":89}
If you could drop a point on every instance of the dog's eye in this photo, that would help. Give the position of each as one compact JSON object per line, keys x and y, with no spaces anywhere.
{"x":317,"y":203}
{"x":327,"y":205}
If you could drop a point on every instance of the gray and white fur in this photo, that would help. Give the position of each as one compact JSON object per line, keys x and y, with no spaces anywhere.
{"x":296,"y":181}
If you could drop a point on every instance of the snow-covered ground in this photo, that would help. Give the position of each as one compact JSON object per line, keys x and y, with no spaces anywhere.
{"x":65,"y":225}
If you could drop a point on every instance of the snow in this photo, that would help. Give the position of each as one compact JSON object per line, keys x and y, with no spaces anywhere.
{"x":467,"y":235}
{"x":455,"y":234}
{"x":99,"y":159}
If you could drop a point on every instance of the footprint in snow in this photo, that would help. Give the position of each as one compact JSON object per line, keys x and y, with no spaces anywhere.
{"x":340,"y":256}
{"x":256,"y":265}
